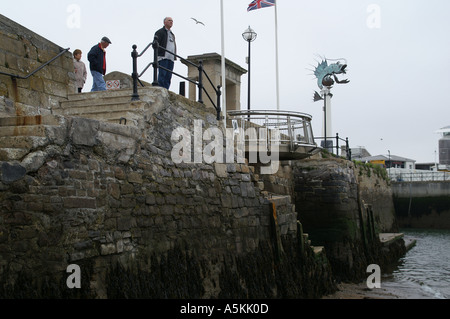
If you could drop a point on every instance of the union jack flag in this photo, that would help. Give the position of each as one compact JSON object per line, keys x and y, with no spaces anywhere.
{"x":258,"y":4}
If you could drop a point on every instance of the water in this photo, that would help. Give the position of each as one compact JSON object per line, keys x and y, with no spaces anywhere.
{"x":424,"y":272}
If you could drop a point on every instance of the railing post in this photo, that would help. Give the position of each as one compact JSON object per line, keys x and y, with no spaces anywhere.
{"x":219,"y":98}
{"x":337,"y":144}
{"x":349,"y":151}
{"x":291,"y":138}
{"x":134,"y":55}
{"x":183,"y":88}
{"x":200,"y":82}
{"x":155,"y":61}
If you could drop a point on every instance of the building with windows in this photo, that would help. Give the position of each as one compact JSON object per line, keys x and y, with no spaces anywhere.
{"x":444,"y":146}
{"x":390,"y":161}
{"x":358,"y":152}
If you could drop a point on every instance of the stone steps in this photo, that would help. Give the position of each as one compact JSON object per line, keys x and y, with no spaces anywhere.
{"x":287,"y":219}
{"x":27,"y":125}
{"x":98,"y":108}
{"x":29,"y":120}
{"x":318,"y":249}
{"x":36,"y":130}
{"x":20,"y":134}
{"x":85,"y":100}
{"x":111,"y":94}
{"x":108,"y":106}
{"x":106,"y":112}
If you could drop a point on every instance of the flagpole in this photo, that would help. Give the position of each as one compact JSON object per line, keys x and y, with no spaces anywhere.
{"x":224,"y":83}
{"x":277,"y":64}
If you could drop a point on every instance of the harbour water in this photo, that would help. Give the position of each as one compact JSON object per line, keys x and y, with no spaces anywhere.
{"x":424,"y":272}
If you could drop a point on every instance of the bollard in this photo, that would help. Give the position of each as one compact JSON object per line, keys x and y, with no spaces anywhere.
{"x":134,"y":55}
{"x":183,"y":89}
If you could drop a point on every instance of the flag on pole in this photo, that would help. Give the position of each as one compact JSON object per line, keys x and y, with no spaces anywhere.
{"x":224,"y":87}
{"x":258,"y":4}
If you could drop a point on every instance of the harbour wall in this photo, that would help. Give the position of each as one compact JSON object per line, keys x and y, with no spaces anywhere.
{"x":110,"y":199}
{"x":422,"y":204}
{"x":345,"y":207}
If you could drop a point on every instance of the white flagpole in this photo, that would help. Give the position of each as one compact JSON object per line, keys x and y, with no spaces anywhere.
{"x":276,"y":46}
{"x":224,"y":83}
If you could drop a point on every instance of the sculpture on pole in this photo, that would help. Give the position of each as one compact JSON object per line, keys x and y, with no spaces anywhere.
{"x":326,"y":75}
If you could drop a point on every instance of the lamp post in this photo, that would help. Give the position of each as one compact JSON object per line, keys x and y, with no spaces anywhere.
{"x":328,"y":83}
{"x":390,"y":164}
{"x":249,"y":35}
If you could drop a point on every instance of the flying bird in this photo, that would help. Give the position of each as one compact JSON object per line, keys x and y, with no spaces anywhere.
{"x":197,"y":22}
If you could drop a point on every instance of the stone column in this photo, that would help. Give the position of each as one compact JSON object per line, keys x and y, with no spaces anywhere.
{"x":212,"y":66}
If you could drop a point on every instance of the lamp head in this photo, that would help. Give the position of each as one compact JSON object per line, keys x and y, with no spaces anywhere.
{"x":249,"y":35}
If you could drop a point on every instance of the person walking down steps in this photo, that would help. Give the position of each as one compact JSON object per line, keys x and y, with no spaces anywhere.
{"x":97,"y":64}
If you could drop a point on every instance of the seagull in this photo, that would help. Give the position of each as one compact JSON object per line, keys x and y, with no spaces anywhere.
{"x":197,"y":22}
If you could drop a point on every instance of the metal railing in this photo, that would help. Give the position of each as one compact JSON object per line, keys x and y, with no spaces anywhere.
{"x":294,"y":127}
{"x":336,"y":150}
{"x":14,"y":76}
{"x":201,"y":72}
{"x":418,"y":176}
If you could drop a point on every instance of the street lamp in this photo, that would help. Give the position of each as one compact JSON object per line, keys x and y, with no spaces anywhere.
{"x":390,"y":164}
{"x":249,"y":35}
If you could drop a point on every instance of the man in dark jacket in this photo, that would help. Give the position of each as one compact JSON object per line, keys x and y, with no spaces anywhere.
{"x":166,"y":40}
{"x":97,"y":62}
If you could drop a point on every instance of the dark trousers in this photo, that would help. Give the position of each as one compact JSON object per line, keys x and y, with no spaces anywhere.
{"x":165,"y":77}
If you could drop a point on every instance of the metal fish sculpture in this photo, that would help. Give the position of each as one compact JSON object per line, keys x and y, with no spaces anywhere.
{"x":324,"y":73}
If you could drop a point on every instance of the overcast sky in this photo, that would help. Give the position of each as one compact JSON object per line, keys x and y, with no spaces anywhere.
{"x":398,"y":54}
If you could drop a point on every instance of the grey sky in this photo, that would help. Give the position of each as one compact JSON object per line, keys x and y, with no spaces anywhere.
{"x":398,"y":60}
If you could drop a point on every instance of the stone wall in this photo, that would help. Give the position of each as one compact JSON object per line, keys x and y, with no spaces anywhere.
{"x":422,"y":204}
{"x":336,"y":201}
{"x":110,"y":199}
{"x":375,"y":190}
{"x":23,"y":51}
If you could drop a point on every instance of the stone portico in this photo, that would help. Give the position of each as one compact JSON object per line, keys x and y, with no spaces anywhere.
{"x":212,"y":64}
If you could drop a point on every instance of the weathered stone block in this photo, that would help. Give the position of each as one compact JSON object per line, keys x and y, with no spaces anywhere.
{"x":126,"y":223}
{"x":12,"y":173}
{"x":114,"y":190}
{"x":108,"y":249}
{"x":79,"y":202}
{"x":84,"y":131}
{"x":135,"y":177}
{"x":128,"y":202}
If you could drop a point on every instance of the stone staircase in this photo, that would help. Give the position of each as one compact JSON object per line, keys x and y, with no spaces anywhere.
{"x":23,"y":131}
{"x":113,"y":106}
{"x":21,"y":134}
{"x":286,"y":221}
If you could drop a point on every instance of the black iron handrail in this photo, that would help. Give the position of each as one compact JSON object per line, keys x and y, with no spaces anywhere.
{"x":37,"y":70}
{"x":338,"y":138}
{"x":136,"y":76}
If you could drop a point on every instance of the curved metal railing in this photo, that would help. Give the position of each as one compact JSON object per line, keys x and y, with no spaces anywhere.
{"x":294,"y":127}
